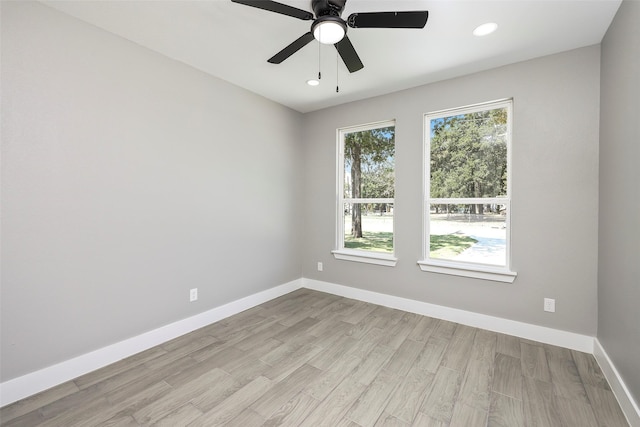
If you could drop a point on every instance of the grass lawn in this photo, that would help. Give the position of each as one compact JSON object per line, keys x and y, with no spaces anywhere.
{"x":448,"y":246}
{"x":444,"y":246}
{"x":371,"y":241}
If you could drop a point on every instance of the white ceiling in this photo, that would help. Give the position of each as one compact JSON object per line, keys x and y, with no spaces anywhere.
{"x":233,"y":42}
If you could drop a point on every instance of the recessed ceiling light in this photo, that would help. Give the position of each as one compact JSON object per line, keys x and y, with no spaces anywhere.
{"x":313,"y":82}
{"x":485,"y":29}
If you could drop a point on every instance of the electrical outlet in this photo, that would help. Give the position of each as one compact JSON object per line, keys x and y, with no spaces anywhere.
{"x":550,"y":305}
{"x":193,"y":294}
{"x":320,"y":266}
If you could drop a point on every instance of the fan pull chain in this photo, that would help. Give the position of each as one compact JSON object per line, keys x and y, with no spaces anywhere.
{"x":319,"y":63}
{"x":337,"y":73}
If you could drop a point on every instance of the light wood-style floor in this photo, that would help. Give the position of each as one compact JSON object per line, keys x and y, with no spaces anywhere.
{"x":314,"y":359}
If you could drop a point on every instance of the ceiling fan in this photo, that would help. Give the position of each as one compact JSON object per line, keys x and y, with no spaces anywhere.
{"x":329,"y":28}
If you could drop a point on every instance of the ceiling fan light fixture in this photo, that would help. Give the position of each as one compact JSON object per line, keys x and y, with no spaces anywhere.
{"x":329,"y":29}
{"x":485,"y":29}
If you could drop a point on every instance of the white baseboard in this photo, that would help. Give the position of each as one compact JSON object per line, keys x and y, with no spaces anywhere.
{"x":543,"y":334}
{"x":35,"y":382}
{"x":619,"y":388}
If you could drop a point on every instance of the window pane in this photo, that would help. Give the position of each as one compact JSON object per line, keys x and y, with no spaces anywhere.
{"x":369,"y":163}
{"x":375,"y":232}
{"x":469,"y":155}
{"x":468,"y":233}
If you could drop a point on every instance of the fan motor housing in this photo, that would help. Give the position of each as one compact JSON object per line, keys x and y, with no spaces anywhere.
{"x":327,"y":7}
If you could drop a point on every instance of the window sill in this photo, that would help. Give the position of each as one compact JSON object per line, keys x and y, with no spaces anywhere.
{"x":386,"y":260}
{"x":496,"y":274}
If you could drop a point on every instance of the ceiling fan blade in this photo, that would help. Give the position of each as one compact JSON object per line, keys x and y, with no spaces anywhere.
{"x":349,"y":55}
{"x":415,"y":19}
{"x":276,"y":7}
{"x":298,"y":44}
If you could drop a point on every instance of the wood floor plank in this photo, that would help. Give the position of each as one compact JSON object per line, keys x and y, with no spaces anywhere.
{"x":402,"y":360}
{"x":285,"y":390}
{"x":209,"y":397}
{"x":320,"y":387}
{"x":385,"y":317}
{"x":475,"y":389}
{"x":284,"y":367}
{"x":372,"y":364}
{"x":538,"y":403}
{"x":327,"y":356}
{"x":180,"y":417}
{"x":590,"y":372}
{"x":508,"y":345}
{"x":505,"y":411}
{"x":575,"y":413}
{"x":210,"y":351}
{"x":443,"y":394}
{"x":507,"y":376}
{"x":368,"y":407}
{"x":235,"y":404}
{"x":120,"y":421}
{"x":423,"y":330}
{"x":366,"y":343}
{"x":564,"y":374}
{"x":387,"y":420}
{"x":37,"y":401}
{"x":400,"y":331}
{"x":296,"y":329}
{"x":293,"y":412}
{"x":534,"y":362}
{"x":345,"y":422}
{"x":478,"y":376}
{"x":423,"y":420}
{"x":140,"y":383}
{"x":457,"y":354}
{"x":361,"y":328}
{"x":431,"y":356}
{"x":118,"y":367}
{"x":258,"y":337}
{"x":286,"y":350}
{"x":77,"y":415}
{"x":249,"y":370}
{"x":468,"y":416}
{"x":605,"y":407}
{"x":121,"y":411}
{"x":248,"y":418}
{"x":204,"y":366}
{"x":408,"y":397}
{"x":179,"y":396}
{"x":86,"y":396}
{"x":331,"y":410}
{"x":444,"y":329}
{"x":250,"y":355}
{"x":484,"y":346}
{"x":360,"y":311}
{"x":336,"y":308}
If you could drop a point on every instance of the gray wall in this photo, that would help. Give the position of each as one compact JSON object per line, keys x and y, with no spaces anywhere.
{"x":555,"y":192}
{"x":619,"y":225}
{"x":127,"y":179}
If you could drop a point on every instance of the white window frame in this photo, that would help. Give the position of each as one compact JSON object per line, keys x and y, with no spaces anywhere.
{"x":346,"y":254}
{"x":461,"y":268}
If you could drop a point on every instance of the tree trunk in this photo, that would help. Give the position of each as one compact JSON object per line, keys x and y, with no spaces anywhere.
{"x":356,"y":192}
{"x":477,"y":193}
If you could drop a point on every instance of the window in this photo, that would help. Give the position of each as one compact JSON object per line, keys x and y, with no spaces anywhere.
{"x":366,"y":188}
{"x":467,"y":201}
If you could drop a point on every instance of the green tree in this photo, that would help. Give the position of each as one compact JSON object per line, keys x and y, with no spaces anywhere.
{"x":369,"y":159}
{"x":469,"y":156}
